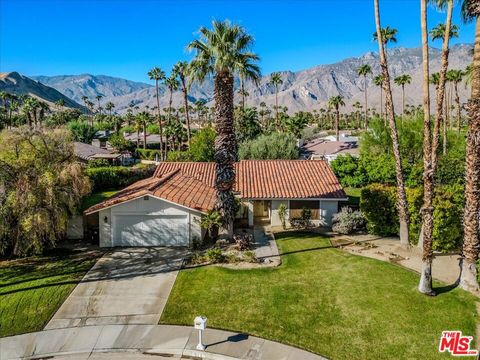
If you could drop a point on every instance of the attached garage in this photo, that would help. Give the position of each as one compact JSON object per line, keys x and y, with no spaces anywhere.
{"x":148,"y":221}
{"x":150,"y":230}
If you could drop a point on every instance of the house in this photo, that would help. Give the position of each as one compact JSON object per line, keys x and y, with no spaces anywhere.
{"x":321,"y":149}
{"x":165,"y":209}
{"x":86,"y":152}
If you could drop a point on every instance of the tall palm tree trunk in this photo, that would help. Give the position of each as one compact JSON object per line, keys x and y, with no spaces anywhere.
{"x":169,"y":116}
{"x":471,"y":243}
{"x":403,"y":101}
{"x":459,"y":109}
{"x":425,"y":285}
{"x":187,"y":116}
{"x":402,"y":204}
{"x":144,"y":129}
{"x":160,"y":129}
{"x":225,"y":148}
{"x":381,"y":103}
{"x":440,"y":97}
{"x":366,"y":102}
{"x":276,"y":107}
{"x":337,"y":123}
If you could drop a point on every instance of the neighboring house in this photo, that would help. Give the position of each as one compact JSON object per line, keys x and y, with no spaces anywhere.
{"x":165,"y":209}
{"x":152,"y":139}
{"x":320,"y":149}
{"x":343,"y":137}
{"x":86,"y":152}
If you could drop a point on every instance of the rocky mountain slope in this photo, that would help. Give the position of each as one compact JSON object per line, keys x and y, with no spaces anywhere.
{"x":303,"y":90}
{"x":18,"y":84}
{"x":77,"y":86}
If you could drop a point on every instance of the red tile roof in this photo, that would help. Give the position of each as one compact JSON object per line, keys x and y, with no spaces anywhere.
{"x":191,"y":184}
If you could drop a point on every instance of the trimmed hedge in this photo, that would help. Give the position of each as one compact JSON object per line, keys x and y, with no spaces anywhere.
{"x":115,"y":177}
{"x":378,"y":205}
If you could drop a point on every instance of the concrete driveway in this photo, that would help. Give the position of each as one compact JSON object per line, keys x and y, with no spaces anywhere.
{"x":126,"y":286}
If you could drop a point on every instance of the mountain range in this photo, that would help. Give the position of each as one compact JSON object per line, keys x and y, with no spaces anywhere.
{"x":302,"y":90}
{"x":17,"y":84}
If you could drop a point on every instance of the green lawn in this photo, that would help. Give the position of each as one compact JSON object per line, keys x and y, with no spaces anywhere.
{"x":324,"y":300}
{"x":32,"y":289}
{"x":96,"y":198}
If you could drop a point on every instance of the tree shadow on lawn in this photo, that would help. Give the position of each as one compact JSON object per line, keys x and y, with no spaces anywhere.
{"x":302,"y":235}
{"x":123,"y":265}
{"x":70,"y":261}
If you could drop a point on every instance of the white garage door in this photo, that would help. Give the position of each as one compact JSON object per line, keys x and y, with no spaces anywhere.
{"x":150,"y":230}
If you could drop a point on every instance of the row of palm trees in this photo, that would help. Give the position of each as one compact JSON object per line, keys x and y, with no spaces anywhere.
{"x":431,"y":141}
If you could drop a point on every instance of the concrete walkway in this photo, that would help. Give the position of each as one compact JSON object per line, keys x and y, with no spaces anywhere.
{"x":126,"y":286}
{"x":266,"y":249}
{"x":138,"y":341}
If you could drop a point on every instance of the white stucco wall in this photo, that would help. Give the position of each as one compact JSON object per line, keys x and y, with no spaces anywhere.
{"x":275,"y":219}
{"x":328,"y":208}
{"x":152,"y":206}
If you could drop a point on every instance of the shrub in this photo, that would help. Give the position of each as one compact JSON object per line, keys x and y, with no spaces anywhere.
{"x":95,"y":163}
{"x":273,"y":146}
{"x":202,"y":145}
{"x":179,"y":156}
{"x":81,"y":131}
{"x":304,"y":221}
{"x":243,"y":241}
{"x":115,"y":177}
{"x":249,"y":256}
{"x":377,"y":203}
{"x":214,"y":255}
{"x":348,"y":221}
{"x":148,"y":154}
{"x":119,"y":143}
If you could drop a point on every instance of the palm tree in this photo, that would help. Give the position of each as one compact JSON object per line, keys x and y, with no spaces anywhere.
{"x":446,"y":32}
{"x":364,"y":70}
{"x":172,"y":84}
{"x":99,"y":97}
{"x":276,"y":80}
{"x":383,"y":36}
{"x":403,"y":80}
{"x":456,"y":77}
{"x":425,"y":285}
{"x":157,"y":74}
{"x":378,"y":81}
{"x":182,"y":69}
{"x":143,"y":120}
{"x":388,"y":35}
{"x":220,"y":51}
{"x":468,"y":277}
{"x":335,"y":102}
{"x":435,"y":80}
{"x":109,"y":106}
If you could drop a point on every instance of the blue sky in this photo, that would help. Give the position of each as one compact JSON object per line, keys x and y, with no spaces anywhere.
{"x":125,"y":38}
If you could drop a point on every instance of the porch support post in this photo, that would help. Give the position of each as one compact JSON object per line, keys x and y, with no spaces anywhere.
{"x":250,"y":212}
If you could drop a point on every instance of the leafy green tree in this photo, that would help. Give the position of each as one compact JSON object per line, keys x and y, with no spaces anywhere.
{"x":224,"y":51}
{"x":41,"y":184}
{"x":202,"y":147}
{"x":81,"y":131}
{"x":247,"y":125}
{"x":296,"y":123}
{"x":270,"y":147}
